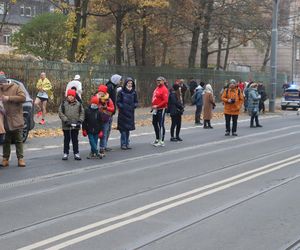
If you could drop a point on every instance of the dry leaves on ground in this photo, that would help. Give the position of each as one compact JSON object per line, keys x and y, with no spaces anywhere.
{"x":51,"y":132}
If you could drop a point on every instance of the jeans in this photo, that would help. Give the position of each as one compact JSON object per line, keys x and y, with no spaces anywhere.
{"x":93,"y":139}
{"x":254,"y":117}
{"x":109,"y":129}
{"x":16,"y":137}
{"x":198,"y":113}
{"x":234,"y":122}
{"x":158,"y":122}
{"x":176,"y":123}
{"x":69,"y":135}
{"x":125,"y":137}
{"x":105,"y":130}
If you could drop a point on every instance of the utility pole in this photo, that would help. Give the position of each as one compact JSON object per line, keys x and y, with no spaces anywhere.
{"x":274,"y":56}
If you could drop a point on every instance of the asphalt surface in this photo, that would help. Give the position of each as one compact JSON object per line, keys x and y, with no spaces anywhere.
{"x":207,"y":192}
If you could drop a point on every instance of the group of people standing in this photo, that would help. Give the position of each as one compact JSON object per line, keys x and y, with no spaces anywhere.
{"x":96,"y":119}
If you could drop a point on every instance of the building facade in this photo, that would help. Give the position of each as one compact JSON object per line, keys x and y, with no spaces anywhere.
{"x":17,"y":15}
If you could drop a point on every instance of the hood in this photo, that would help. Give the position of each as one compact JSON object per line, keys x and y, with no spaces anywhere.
{"x":115,"y":79}
{"x":199,"y":87}
{"x":6,"y":86}
{"x":126,"y":81}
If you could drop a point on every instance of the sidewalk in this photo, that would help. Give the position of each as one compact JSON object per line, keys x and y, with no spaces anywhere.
{"x":143,"y":118}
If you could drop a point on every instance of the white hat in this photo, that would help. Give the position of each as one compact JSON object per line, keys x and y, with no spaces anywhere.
{"x":76,"y":77}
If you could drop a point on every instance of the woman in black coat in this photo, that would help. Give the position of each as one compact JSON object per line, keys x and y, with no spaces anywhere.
{"x":126,"y":102}
{"x":176,"y":109}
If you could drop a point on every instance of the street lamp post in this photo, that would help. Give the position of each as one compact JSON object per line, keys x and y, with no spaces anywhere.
{"x":274,"y":56}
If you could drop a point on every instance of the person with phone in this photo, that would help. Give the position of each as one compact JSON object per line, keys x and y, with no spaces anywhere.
{"x":71,"y":113}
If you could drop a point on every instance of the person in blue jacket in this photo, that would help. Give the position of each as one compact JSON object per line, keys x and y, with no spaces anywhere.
{"x":127,"y":102}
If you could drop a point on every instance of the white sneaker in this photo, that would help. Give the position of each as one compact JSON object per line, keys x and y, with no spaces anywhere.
{"x":155,"y":142}
{"x":65,"y":157}
{"x":161,"y":143}
{"x":77,"y":157}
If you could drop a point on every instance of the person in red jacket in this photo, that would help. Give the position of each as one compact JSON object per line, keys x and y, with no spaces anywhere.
{"x":159,"y":104}
{"x":106,"y":108}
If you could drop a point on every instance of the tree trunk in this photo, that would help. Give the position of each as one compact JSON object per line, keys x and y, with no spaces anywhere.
{"x":83,"y":32}
{"x":227,"y":51}
{"x":144,"y":45}
{"x":119,"y":18}
{"x":267,"y":56}
{"x":164,"y":54}
{"x":205,"y":37}
{"x":6,"y":9}
{"x":76,"y":32}
{"x":220,"y":40}
{"x":194,"y":46}
{"x":136,"y":48}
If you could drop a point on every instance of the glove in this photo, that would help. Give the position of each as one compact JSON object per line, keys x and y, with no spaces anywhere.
{"x":68,"y":123}
{"x":100,"y":135}
{"x":84,"y":133}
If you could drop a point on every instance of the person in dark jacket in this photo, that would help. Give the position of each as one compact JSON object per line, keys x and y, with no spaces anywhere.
{"x":112,"y":86}
{"x":92,"y":126}
{"x":192,"y":86}
{"x":199,"y":103}
{"x":176,"y":109}
{"x":262,"y":91}
{"x":127,"y":102}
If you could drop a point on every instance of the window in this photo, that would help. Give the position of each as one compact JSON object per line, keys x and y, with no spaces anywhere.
{"x":6,"y":39}
{"x":2,"y":8}
{"x":22,"y":10}
{"x":28,"y":11}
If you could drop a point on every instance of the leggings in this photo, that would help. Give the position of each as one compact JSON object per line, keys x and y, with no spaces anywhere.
{"x":158,"y":122}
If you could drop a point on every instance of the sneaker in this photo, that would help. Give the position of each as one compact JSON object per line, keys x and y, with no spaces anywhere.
{"x":108,"y":149}
{"x":92,"y":156}
{"x":259,"y":126}
{"x":173,"y":139}
{"x":179,"y":139}
{"x":227,"y":134}
{"x":155,"y":142}
{"x":128,"y":147}
{"x":42,"y":122}
{"x":234,"y":134}
{"x":123,"y":147}
{"x":39,"y":114}
{"x":77,"y":157}
{"x":161,"y":143}
{"x":65,"y":157}
{"x":101,"y":153}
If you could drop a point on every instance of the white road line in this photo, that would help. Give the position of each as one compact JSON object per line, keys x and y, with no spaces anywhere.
{"x":255,"y":172}
{"x":162,"y":209}
{"x":137,"y":135}
{"x":145,"y":157}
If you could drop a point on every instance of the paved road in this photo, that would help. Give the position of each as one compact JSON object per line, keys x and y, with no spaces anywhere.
{"x":207,"y":192}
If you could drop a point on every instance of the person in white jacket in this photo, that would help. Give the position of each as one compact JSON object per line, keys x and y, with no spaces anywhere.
{"x":77,"y":85}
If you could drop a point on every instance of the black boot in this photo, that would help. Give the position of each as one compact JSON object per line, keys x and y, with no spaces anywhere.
{"x":205,"y":125}
{"x":209,"y":125}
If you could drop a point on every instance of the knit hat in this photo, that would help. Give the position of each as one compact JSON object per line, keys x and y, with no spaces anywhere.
{"x":71,"y":92}
{"x":232,"y":81}
{"x":94,"y":100}
{"x":115,"y":79}
{"x":102,"y":88}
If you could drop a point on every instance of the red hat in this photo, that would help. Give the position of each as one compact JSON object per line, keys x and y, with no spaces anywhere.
{"x":102,"y":88}
{"x":71,"y":92}
{"x":94,"y":100}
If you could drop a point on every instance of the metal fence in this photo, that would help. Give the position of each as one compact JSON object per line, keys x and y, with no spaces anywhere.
{"x":92,"y":75}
